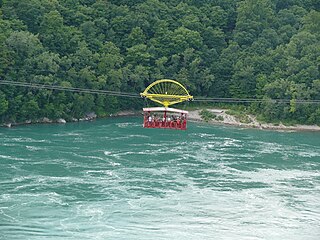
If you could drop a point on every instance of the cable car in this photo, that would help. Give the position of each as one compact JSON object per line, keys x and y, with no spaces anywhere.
{"x":166,"y":92}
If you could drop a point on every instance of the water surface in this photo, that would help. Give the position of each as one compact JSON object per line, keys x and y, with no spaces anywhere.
{"x":112,"y":179}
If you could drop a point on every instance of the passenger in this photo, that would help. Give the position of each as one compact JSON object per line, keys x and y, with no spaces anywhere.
{"x":156,"y":123}
{"x":149,"y":119}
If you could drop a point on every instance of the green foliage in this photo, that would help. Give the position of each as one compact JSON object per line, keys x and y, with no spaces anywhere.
{"x":3,"y":103}
{"x":207,"y":115}
{"x":267,"y":49}
{"x":240,"y":115}
{"x":219,"y":118}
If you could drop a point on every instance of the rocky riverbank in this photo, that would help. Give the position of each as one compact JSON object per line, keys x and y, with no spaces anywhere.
{"x":222,"y":117}
{"x":87,"y":117}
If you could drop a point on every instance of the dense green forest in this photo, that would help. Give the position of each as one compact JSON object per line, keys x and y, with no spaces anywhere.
{"x":266,"y":49}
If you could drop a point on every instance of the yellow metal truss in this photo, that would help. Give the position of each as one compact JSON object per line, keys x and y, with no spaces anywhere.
{"x":166,"y":92}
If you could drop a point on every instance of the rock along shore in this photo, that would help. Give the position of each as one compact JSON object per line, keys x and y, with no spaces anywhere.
{"x":87,"y":117}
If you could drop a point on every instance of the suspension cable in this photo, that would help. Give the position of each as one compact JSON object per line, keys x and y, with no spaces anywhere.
{"x":255,"y":100}
{"x":135,"y":95}
{"x":69,"y":89}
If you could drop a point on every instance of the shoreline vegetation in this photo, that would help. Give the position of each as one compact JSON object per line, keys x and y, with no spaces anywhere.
{"x":232,"y":118}
{"x":209,"y":115}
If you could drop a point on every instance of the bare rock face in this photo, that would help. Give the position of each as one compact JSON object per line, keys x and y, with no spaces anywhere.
{"x":61,"y":120}
{"x":8,"y":125}
{"x":46,"y":120}
{"x":91,"y":115}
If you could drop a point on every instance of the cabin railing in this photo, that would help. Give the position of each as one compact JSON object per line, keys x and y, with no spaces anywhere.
{"x":173,"y":124}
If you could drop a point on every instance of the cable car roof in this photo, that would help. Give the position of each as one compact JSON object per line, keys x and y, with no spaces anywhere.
{"x":164,"y":109}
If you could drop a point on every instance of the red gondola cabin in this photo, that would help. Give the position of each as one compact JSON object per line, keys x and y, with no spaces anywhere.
{"x":161,"y":117}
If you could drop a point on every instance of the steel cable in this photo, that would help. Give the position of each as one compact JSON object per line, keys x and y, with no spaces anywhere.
{"x":134,"y":95}
{"x":70,"y":89}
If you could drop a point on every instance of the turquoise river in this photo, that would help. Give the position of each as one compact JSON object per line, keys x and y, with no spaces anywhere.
{"x":112,"y":179}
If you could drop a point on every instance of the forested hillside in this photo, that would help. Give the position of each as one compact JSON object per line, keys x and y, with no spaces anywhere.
{"x":218,"y":48}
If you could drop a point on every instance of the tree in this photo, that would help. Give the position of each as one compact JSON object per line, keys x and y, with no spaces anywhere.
{"x":183,"y":38}
{"x":253,"y":17}
{"x":136,"y":37}
{"x":56,"y":36}
{"x":311,"y":22}
{"x":29,"y":110}
{"x":3,"y":103}
{"x":23,"y":44}
{"x":243,"y":81}
{"x":138,"y":54}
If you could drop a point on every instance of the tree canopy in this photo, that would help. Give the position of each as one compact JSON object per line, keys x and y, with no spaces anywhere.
{"x":219,"y":48}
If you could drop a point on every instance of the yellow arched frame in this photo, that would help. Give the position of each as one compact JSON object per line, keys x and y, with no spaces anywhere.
{"x":166,"y":92}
